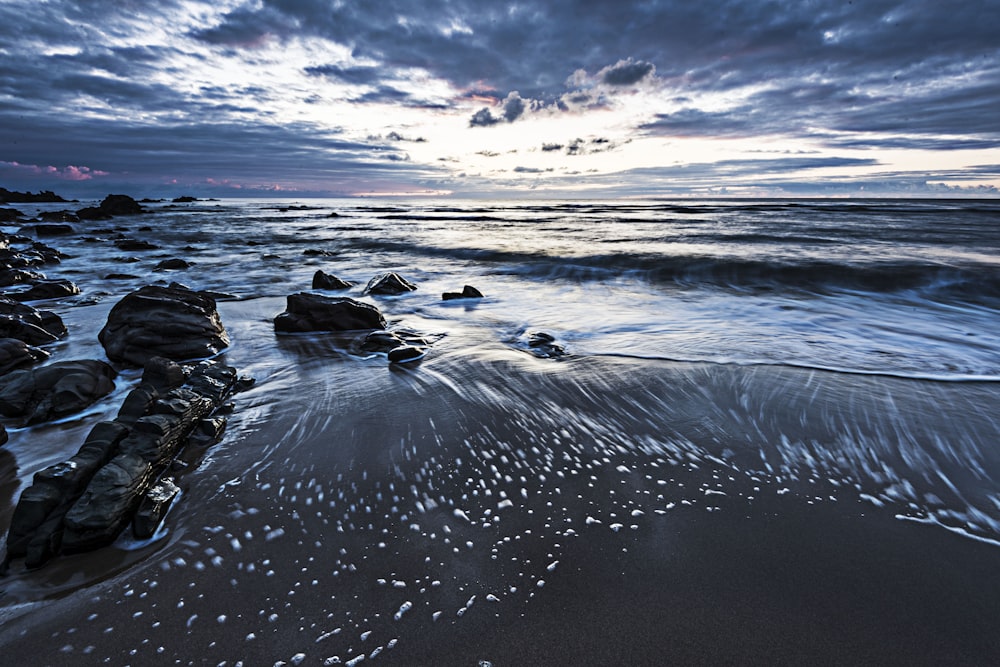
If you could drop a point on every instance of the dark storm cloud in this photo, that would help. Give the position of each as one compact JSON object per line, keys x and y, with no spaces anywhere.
{"x":356,"y":75}
{"x":625,"y":72}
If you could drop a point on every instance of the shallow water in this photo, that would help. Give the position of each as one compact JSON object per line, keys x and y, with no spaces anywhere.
{"x":692,"y":482}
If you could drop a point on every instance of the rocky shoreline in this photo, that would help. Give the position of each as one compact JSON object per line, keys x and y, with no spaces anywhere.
{"x":123,"y":472}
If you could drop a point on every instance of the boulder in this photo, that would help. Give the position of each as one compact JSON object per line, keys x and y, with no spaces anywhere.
{"x":16,"y":354}
{"x":172,"y":322}
{"x":58,"y":216}
{"x":172,"y":264}
{"x":55,"y":391}
{"x":153,"y":507}
{"x":184,"y":199}
{"x":10,"y":214}
{"x":389,"y":283}
{"x":26,"y":332}
{"x":47,"y":289}
{"x":10,"y":277}
{"x":326,"y":281}
{"x":406,"y":353}
{"x":112,"y":205}
{"x":47,"y":229}
{"x":468,"y":292}
{"x":315,"y":312}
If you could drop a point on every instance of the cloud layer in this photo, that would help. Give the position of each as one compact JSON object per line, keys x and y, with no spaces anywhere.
{"x":316,"y":95}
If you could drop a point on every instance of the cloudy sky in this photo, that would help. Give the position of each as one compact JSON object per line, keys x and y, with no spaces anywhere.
{"x":549,"y":98}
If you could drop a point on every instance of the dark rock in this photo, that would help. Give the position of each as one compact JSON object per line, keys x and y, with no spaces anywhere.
{"x":32,"y":334}
{"x":163,"y":374}
{"x":55,"y":391}
{"x":48,"y":289}
{"x":43,"y":197}
{"x":58,"y":216}
{"x":172,"y":264}
{"x":384,"y":341}
{"x":92,"y":213}
{"x":16,"y":354}
{"x":120,"y":276}
{"x":130,"y":245}
{"x":542,"y":344}
{"x":468,"y":292}
{"x":153,"y":507}
{"x":3,"y":435}
{"x":316,"y":252}
{"x":49,"y":229}
{"x":326,"y":281}
{"x":315,"y":312}
{"x":10,"y":277}
{"x":406,"y":353}
{"x":107,"y":504}
{"x":389,"y":283}
{"x":137,"y":404}
{"x":10,"y":214}
{"x":207,"y":432}
{"x":334,"y":214}
{"x":121,"y":205}
{"x":171,"y":322}
{"x":44,"y":319}
{"x":184,"y":199}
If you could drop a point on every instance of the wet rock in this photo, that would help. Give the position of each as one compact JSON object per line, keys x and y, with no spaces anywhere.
{"x":153,"y":507}
{"x":120,"y":276}
{"x":10,"y":277}
{"x":406,"y":353}
{"x":468,"y":292}
{"x":384,"y":341}
{"x":542,"y":344}
{"x":131,"y":245}
{"x":172,"y":322}
{"x":317,"y":252}
{"x":389,"y":283}
{"x":44,"y":319}
{"x":172,"y":264}
{"x":31,"y":334}
{"x":3,"y":435}
{"x":10,"y":214}
{"x":208,"y":432}
{"x":58,"y":216}
{"x":163,"y":374}
{"x":315,"y":312}
{"x":16,"y":354}
{"x":48,"y":289}
{"x":55,"y":391}
{"x":184,"y":199}
{"x":112,"y":205}
{"x":50,"y":229}
{"x":326,"y":281}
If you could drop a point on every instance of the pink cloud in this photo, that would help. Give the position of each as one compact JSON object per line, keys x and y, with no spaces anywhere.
{"x":69,"y":172}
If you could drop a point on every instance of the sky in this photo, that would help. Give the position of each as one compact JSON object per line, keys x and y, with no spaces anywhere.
{"x":464,"y":98}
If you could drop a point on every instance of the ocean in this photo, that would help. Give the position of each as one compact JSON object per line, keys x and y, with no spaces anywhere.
{"x":759,"y":432}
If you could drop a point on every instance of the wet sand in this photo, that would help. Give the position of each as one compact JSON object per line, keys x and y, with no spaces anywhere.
{"x":488,"y":506}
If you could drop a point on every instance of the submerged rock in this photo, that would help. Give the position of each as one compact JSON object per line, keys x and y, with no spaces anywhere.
{"x":315,"y":312}
{"x":130,"y":245}
{"x":326,"y":281}
{"x":56,"y":390}
{"x":406,"y":353}
{"x":468,"y":292}
{"x":48,"y":289}
{"x":389,"y":283}
{"x":172,"y":264}
{"x":172,"y":322}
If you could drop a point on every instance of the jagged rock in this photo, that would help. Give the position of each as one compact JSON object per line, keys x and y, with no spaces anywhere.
{"x":10,"y":214}
{"x":389,"y":283}
{"x":317,"y":252}
{"x":42,"y":319}
{"x":406,"y":353}
{"x":384,"y":341}
{"x":326,"y":281}
{"x":207,"y":432}
{"x":153,"y":507}
{"x":130,"y":245}
{"x":163,"y":374}
{"x":49,"y":289}
{"x":172,"y":264}
{"x":56,"y":390}
{"x":16,"y":354}
{"x":315,"y":312}
{"x":10,"y":277}
{"x":172,"y":322}
{"x":107,"y":504}
{"x":542,"y":344}
{"x":468,"y":292}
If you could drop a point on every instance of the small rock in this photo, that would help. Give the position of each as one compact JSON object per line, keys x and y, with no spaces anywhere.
{"x":389,"y":283}
{"x":325,"y":281}
{"x":315,"y":312}
{"x":468,"y":292}
{"x":406,"y":353}
{"x":172,"y":264}
{"x":48,"y":289}
{"x":153,"y":508}
{"x":130,"y":245}
{"x":16,"y":354}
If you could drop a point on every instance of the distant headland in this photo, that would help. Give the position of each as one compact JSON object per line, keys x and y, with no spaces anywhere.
{"x":45,"y":196}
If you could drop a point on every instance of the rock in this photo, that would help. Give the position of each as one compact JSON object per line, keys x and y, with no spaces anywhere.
{"x":32,"y":334}
{"x":163,"y":374}
{"x":10,"y":277}
{"x":16,"y":354}
{"x":58,"y":216}
{"x":47,"y":230}
{"x":543,"y":345}
{"x":316,"y":252}
{"x":172,"y":264}
{"x":111,"y":206}
{"x":184,"y":199}
{"x":468,"y":292}
{"x":406,"y":353}
{"x":43,"y":196}
{"x":120,"y":276}
{"x":207,"y":432}
{"x":172,"y":322}
{"x":55,"y":391}
{"x":48,"y":289}
{"x":315,"y":312}
{"x":328,"y":282}
{"x":153,"y":507}
{"x":10,"y":214}
{"x":43,"y":319}
{"x":384,"y":341}
{"x":130,"y":245}
{"x":389,"y":283}
{"x":3,"y":435}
